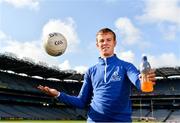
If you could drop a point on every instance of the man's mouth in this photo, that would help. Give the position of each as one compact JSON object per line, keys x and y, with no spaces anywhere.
{"x":105,"y":48}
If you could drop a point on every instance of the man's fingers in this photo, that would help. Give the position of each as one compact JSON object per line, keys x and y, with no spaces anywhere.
{"x":152,"y":75}
{"x":152,"y":71}
{"x":47,"y":90}
{"x":44,"y":89}
{"x":40,"y":87}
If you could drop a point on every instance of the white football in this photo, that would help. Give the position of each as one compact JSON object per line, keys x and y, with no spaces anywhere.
{"x":55,"y":44}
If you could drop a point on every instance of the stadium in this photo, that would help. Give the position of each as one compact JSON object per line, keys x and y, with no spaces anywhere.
{"x":21,"y":100}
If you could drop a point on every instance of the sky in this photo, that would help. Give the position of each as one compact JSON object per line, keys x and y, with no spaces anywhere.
{"x":143,"y":27}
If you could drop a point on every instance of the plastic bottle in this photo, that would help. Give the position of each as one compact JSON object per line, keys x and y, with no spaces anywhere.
{"x":146,"y":84}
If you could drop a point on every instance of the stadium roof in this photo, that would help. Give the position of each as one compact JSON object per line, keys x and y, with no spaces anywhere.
{"x":166,"y":72}
{"x":10,"y":62}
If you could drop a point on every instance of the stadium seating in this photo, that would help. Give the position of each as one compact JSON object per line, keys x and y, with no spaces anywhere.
{"x":20,"y":98}
{"x":174,"y":117}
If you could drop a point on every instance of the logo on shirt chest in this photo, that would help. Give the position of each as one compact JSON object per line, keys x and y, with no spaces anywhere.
{"x":115,"y":76}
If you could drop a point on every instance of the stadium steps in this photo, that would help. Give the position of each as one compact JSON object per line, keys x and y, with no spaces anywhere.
{"x":9,"y":110}
{"x":34,"y":113}
{"x":44,"y":112}
{"x":174,"y":116}
{"x":4,"y":114}
{"x":62,"y":115}
{"x":161,"y":114}
{"x":24,"y":110}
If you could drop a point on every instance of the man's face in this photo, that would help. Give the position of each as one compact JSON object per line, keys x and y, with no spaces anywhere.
{"x":105,"y":43}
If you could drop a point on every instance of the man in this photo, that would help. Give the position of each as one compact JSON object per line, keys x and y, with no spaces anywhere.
{"x":106,"y":85}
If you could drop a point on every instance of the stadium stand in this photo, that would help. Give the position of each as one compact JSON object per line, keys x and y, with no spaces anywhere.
{"x":20,"y":98}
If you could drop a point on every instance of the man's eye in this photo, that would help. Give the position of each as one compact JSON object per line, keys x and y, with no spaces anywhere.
{"x":101,"y":41}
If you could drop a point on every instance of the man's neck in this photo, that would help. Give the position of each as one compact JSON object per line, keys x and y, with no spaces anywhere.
{"x":107,"y":56}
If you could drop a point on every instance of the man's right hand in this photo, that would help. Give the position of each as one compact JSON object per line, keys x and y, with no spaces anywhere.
{"x":50,"y":91}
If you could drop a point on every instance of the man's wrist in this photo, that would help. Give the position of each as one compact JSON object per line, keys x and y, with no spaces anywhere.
{"x":58,"y":94}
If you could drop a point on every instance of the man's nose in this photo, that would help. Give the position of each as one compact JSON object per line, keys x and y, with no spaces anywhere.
{"x":105,"y":42}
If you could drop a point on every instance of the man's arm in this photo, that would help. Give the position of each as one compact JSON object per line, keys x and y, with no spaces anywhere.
{"x":135,"y":76}
{"x":84,"y":96}
{"x":80,"y":101}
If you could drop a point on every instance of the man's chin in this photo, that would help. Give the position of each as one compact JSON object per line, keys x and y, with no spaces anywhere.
{"x":106,"y":54}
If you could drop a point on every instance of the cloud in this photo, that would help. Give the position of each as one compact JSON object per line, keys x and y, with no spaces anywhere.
{"x":127,"y":56}
{"x":129,"y":33}
{"x":28,"y":49}
{"x":67,"y":28}
{"x":164,"y":12}
{"x":34,"y":49}
{"x":2,"y":35}
{"x":168,"y":31}
{"x":81,"y":69}
{"x":156,"y":61}
{"x":161,"y":10}
{"x":164,"y":60}
{"x":65,"y":65}
{"x":32,"y":4}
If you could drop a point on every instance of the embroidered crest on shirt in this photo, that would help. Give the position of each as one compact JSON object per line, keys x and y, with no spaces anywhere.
{"x":115,"y":76}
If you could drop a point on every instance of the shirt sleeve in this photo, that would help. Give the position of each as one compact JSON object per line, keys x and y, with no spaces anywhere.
{"x":133,"y":75}
{"x":84,"y":96}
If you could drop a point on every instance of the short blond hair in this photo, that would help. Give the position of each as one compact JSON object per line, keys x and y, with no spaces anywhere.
{"x":106,"y":30}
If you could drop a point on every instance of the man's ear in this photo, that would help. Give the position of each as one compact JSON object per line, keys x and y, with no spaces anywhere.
{"x":115,"y":42}
{"x":97,"y":44}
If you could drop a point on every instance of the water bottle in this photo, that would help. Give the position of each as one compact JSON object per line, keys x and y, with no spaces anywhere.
{"x":146,"y":84}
